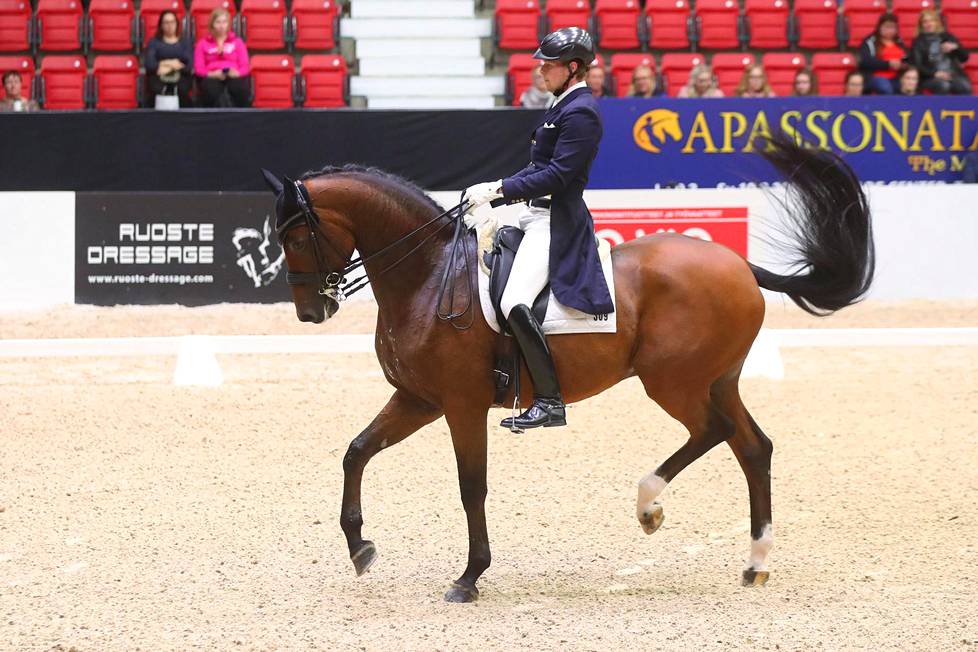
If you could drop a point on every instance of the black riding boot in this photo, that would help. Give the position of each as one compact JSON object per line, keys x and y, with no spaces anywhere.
{"x":547,"y":409}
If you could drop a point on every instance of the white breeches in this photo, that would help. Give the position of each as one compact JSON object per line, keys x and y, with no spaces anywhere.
{"x":531,"y":269}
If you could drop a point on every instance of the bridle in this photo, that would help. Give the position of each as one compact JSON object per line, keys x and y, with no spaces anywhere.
{"x":335,"y":286}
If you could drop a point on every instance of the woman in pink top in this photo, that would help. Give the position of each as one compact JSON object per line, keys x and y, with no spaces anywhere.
{"x":221,"y":63}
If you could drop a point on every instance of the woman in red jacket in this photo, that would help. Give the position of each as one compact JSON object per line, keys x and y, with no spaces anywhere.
{"x":221,"y":63}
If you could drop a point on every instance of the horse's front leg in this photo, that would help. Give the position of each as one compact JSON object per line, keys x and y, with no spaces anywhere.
{"x":403,"y":415}
{"x":468,"y":428}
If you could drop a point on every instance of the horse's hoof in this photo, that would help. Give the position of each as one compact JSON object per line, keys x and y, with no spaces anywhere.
{"x":459,"y":593}
{"x":364,"y":558}
{"x":753,"y":577}
{"x":652,"y":518}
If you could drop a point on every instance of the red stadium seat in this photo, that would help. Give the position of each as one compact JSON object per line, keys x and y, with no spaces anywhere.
{"x":766,"y":23}
{"x":816,"y":24}
{"x":676,"y":67}
{"x":15,"y":25}
{"x":781,"y":68}
{"x":116,"y":82}
{"x":516,"y":25}
{"x":324,"y":81}
{"x":860,"y":19}
{"x":728,"y":68}
{"x":907,"y":13}
{"x":112,"y":26}
{"x":275,"y":83}
{"x":622,"y":66}
{"x":59,"y":25}
{"x":200,"y":13}
{"x":971,"y":67}
{"x":63,"y":82}
{"x":519,"y":76}
{"x":717,"y":24}
{"x":668,"y":24}
{"x":831,"y":69}
{"x":149,"y":15}
{"x":961,"y":17}
{"x":23,"y":65}
{"x":263,"y":24}
{"x":567,"y":13}
{"x":616,"y":24}
{"x":315,"y":24}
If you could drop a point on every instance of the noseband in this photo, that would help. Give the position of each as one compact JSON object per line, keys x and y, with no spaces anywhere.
{"x":334,"y":285}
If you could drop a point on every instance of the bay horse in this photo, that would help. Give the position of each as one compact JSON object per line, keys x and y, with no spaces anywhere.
{"x":688,"y":311}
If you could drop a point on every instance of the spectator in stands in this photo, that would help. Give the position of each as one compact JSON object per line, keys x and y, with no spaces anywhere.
{"x":938,"y":56}
{"x":169,"y":61}
{"x":14,"y":100}
{"x":537,"y":96}
{"x":805,"y":84}
{"x":701,"y":83}
{"x":221,"y":63}
{"x":881,"y":55}
{"x":753,"y":83}
{"x":643,"y":83}
{"x":909,"y":81}
{"x":855,"y":84}
{"x":595,"y":81}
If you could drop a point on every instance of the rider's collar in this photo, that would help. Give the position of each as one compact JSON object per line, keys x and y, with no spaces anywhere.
{"x":580,"y":84}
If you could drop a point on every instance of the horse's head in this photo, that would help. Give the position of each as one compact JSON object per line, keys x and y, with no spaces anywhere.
{"x":314,"y":264}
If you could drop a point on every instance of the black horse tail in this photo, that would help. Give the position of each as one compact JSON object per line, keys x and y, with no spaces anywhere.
{"x":834,"y":256}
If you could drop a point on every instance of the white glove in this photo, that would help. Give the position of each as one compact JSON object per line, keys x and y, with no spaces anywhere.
{"x":482,"y":193}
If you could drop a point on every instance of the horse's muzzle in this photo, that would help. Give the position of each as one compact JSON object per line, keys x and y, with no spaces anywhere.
{"x":317,"y":313}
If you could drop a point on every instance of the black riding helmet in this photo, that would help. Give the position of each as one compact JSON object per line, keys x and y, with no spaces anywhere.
{"x":565,"y":45}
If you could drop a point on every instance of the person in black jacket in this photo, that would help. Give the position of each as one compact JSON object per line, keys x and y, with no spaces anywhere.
{"x":938,"y":56}
{"x":169,"y":61}
{"x":881,"y":55}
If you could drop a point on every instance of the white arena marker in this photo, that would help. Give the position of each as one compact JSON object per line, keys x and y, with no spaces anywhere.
{"x":196,"y":363}
{"x":764,"y":358}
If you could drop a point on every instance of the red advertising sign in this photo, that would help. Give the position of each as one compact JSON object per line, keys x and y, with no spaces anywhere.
{"x":726,"y":225}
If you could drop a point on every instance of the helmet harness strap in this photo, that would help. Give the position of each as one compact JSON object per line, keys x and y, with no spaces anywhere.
{"x":570,"y":77}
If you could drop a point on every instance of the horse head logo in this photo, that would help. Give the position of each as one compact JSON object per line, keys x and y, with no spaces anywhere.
{"x":655,"y":127}
{"x":252,"y":247}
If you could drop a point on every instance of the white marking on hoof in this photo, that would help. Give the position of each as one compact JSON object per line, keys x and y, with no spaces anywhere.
{"x":760,"y":548}
{"x":649,"y":489}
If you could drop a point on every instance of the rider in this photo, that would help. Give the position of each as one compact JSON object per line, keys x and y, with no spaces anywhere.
{"x":561,"y":250}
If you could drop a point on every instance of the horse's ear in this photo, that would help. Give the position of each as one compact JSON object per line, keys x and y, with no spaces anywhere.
{"x":272,"y":181}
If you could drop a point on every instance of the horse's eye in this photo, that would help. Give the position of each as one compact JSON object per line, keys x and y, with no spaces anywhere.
{"x":298,"y":244}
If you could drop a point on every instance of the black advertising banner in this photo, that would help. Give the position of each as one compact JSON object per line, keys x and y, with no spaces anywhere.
{"x":186,"y":248}
{"x":208,"y":151}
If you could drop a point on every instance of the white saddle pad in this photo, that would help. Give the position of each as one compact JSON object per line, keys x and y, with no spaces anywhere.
{"x":560,"y":319}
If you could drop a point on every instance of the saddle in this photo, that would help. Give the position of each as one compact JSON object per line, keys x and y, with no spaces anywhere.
{"x":499,"y":261}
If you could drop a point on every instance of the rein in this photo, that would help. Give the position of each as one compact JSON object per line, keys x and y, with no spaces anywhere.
{"x":335,"y":284}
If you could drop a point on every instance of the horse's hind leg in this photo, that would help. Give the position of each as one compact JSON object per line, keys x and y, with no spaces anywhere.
{"x":753,"y":450}
{"x":402,"y":416}
{"x":707,"y":426}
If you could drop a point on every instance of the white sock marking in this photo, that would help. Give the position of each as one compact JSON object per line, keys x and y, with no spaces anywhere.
{"x":649,"y":489}
{"x":759,"y":549}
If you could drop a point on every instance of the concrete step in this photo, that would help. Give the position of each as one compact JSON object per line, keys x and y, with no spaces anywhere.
{"x":447,"y":102}
{"x":398,"y":47}
{"x":434,"y":28}
{"x":413,"y":9}
{"x":432,"y":66}
{"x":372,"y":87}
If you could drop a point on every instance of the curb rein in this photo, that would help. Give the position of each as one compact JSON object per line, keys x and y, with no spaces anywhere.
{"x":335,"y":286}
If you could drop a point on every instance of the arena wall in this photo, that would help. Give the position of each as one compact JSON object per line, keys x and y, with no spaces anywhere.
{"x":925,"y":236}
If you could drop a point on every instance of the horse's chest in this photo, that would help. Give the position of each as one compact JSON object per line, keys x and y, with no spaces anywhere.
{"x":397,"y":355}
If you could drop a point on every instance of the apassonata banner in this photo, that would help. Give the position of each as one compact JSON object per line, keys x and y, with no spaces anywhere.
{"x":655,"y":143}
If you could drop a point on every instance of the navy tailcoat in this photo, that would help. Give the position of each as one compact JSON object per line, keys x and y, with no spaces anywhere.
{"x":563,"y":147}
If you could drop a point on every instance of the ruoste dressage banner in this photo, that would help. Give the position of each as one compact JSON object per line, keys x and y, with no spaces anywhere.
{"x":655,"y":143}
{"x":188,"y":248}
